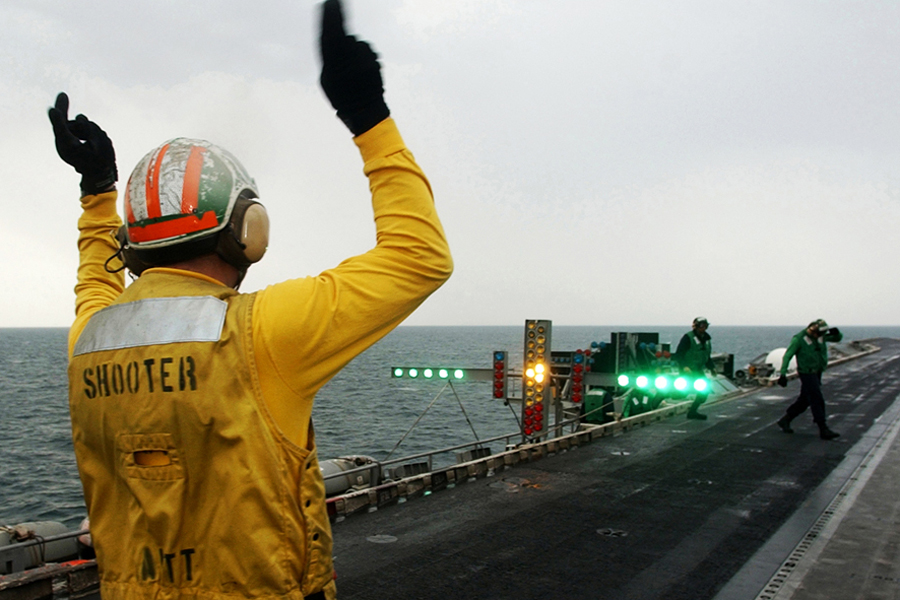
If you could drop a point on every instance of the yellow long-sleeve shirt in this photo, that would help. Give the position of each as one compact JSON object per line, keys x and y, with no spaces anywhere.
{"x":305,"y":330}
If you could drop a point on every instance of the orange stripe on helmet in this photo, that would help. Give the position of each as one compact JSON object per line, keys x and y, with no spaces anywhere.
{"x":152,"y":185}
{"x":173,"y":227}
{"x":191,"y":187}
{"x":129,"y":213}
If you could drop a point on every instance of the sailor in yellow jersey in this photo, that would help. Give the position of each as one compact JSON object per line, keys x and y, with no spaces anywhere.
{"x":191,"y":403}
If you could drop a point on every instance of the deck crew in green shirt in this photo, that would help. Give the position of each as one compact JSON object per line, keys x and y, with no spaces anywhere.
{"x":694,"y":355}
{"x":809,"y":346}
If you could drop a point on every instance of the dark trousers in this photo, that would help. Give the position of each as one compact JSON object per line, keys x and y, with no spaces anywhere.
{"x":810,"y":397}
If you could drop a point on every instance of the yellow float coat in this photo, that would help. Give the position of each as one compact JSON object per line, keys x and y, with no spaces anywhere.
{"x":207,"y":484}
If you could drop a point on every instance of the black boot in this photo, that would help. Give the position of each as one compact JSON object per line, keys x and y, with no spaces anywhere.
{"x":827,"y":434}
{"x":785,"y":424}
{"x":692,"y":411}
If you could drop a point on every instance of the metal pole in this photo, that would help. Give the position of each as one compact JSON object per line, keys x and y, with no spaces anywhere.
{"x":465,"y":414}
{"x":397,"y":445}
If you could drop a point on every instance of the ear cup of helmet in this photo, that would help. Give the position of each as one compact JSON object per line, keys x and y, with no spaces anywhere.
{"x":246,"y":237}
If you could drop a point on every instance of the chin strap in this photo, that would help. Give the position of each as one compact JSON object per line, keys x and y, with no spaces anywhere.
{"x":118,"y":255}
{"x":241,"y":274}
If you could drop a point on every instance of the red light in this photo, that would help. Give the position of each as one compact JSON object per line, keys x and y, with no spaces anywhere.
{"x":538,"y":427}
{"x":500,"y":374}
{"x":528,"y":431}
{"x":529,"y":411}
{"x":658,"y":354}
{"x":667,"y":354}
{"x":576,"y":388}
{"x":539,"y":407}
{"x":579,"y":352}
{"x":577,"y":378}
{"x":578,"y":368}
{"x":529,"y":421}
{"x":587,"y":352}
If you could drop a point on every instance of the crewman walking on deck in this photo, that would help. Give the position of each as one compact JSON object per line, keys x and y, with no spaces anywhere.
{"x":190,"y":402}
{"x":809,"y":346}
{"x":694,"y":356}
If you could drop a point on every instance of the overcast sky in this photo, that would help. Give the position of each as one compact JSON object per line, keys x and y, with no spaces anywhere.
{"x":594,"y":163}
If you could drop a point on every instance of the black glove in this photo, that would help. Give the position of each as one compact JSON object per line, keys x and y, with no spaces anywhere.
{"x":351,"y":75}
{"x":85,"y":146}
{"x":782,"y":381}
{"x":834,"y":331}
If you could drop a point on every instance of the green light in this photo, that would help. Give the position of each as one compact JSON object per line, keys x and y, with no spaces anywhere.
{"x":642,"y":381}
{"x":661,"y":383}
{"x":433,"y":373}
{"x":681,"y":384}
{"x":624,"y":380}
{"x":701,"y":384}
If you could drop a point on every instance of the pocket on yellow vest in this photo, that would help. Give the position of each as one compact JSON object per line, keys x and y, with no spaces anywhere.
{"x":151,"y":456}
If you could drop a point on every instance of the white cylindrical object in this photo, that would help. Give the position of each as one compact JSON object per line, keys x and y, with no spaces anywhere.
{"x":37,"y":554}
{"x":776,"y":357}
{"x":339,"y":485}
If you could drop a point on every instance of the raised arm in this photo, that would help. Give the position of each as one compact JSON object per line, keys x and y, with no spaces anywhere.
{"x":87,"y":148}
{"x":306,"y":330}
{"x":833,"y":335}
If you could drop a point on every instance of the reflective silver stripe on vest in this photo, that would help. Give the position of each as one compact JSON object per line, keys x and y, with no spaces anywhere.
{"x":153,"y":321}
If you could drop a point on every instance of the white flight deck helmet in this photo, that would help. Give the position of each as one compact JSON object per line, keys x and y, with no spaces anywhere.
{"x":188,"y":198}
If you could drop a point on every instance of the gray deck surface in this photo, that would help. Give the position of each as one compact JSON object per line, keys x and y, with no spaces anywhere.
{"x":677,"y":509}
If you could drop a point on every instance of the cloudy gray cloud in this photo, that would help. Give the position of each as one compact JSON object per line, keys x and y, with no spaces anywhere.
{"x":643,"y":162}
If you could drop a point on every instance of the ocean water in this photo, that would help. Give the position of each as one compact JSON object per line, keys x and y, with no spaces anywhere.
{"x":361,"y":411}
